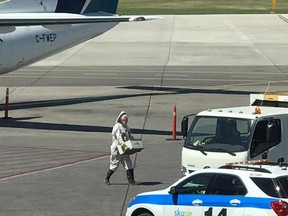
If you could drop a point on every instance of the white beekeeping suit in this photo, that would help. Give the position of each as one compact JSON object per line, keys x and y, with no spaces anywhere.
{"x":120,"y":133}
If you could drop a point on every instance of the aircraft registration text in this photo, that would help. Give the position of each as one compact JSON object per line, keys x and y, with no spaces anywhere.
{"x":45,"y":38}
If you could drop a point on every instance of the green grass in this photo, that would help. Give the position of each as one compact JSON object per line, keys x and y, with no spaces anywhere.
{"x":201,"y":6}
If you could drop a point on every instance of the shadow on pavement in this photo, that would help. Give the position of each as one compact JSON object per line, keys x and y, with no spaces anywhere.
{"x":19,"y":123}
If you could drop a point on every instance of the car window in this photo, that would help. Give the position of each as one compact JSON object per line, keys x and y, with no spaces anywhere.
{"x":196,"y":184}
{"x":267,"y":186}
{"x":282,"y":182}
{"x":228,"y":185}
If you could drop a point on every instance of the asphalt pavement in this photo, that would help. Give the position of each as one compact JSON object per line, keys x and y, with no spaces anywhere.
{"x":54,"y":148}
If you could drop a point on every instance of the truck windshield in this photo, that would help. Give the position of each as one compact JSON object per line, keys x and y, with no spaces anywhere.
{"x":219,"y":134}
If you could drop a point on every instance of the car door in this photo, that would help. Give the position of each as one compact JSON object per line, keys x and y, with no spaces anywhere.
{"x":187,"y":196}
{"x":226,"y":197}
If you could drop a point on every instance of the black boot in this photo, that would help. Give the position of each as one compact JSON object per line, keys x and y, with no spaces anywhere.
{"x":130,"y":177}
{"x":107,"y":178}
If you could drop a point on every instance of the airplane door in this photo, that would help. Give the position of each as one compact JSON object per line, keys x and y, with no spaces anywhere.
{"x":5,"y":49}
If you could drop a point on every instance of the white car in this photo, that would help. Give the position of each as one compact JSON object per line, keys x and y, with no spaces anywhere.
{"x":236,"y":190}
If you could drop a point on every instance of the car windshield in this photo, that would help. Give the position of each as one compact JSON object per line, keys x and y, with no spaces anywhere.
{"x":219,"y":134}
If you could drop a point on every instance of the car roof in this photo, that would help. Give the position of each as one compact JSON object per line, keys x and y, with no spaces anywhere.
{"x":265,"y":171}
{"x":262,"y":166}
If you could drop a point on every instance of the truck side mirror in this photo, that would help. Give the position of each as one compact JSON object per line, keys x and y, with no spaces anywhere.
{"x":280,"y":161}
{"x":265,"y":155}
{"x":184,"y":126}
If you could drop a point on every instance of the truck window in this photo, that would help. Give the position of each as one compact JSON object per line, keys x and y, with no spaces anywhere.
{"x":267,"y":134}
{"x":218,"y":134}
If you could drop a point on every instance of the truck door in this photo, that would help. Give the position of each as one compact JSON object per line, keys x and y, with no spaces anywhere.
{"x":267,"y":134}
{"x":186,"y":121}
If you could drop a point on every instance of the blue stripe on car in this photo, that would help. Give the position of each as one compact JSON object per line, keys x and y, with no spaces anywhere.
{"x":211,"y":200}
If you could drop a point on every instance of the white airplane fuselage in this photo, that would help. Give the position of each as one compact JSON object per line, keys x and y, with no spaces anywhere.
{"x":23,"y":45}
{"x":31,"y":30}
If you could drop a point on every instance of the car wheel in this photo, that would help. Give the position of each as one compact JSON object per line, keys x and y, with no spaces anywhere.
{"x":145,"y":214}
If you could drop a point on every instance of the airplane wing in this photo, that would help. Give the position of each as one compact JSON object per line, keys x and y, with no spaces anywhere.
{"x":29,"y":19}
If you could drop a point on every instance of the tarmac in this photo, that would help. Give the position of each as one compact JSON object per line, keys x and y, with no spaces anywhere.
{"x":54,"y":148}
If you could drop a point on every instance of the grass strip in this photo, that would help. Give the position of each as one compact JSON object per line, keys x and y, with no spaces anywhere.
{"x":202,"y":6}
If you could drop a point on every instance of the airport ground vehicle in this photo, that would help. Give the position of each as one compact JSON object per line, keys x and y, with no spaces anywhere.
{"x":233,"y":190}
{"x":217,"y":136}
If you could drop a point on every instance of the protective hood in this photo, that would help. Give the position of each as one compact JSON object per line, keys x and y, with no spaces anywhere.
{"x":120,"y":115}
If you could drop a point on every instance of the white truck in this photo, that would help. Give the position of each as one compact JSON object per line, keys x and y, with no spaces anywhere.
{"x":219,"y":136}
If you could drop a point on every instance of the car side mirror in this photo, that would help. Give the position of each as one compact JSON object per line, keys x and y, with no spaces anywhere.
{"x":173,"y":190}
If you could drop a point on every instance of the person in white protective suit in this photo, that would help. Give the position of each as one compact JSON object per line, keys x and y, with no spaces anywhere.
{"x":120,"y":133}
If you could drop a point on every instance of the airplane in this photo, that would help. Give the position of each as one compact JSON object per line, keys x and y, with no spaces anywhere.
{"x":31,"y":30}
